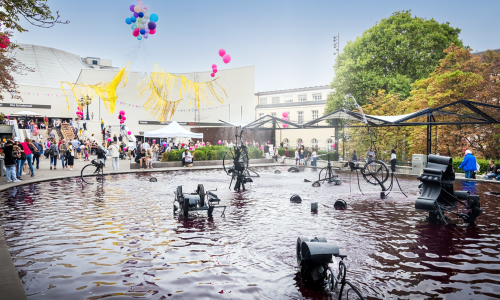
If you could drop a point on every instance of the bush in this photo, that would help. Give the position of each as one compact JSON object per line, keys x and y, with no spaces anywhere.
{"x":175,"y":155}
{"x":220,"y":154}
{"x":255,"y":153}
{"x":212,"y":154}
{"x":199,"y":155}
{"x":164,"y":157}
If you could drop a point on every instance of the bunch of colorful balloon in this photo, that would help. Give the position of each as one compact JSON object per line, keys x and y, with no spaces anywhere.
{"x":285,"y":117}
{"x":142,"y":22}
{"x":122,"y":117}
{"x":214,"y":70}
{"x":79,"y":113}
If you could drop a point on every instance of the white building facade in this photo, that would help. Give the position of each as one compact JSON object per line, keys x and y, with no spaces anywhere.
{"x":302,"y":105}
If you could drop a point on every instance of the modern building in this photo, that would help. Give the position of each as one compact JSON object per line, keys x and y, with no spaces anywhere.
{"x":302,"y":105}
{"x":42,"y":93}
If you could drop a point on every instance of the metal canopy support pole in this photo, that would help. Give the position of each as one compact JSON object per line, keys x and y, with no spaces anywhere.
{"x":429,"y":135}
{"x":273,"y":134}
{"x":336,"y":154}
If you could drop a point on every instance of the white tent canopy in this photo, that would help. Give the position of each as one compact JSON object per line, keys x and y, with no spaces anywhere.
{"x":172,"y":130}
{"x":26,"y":113}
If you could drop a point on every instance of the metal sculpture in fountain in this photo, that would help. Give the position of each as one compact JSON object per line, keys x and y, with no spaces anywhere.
{"x":437,"y":195}
{"x":375,"y":172}
{"x":196,"y":201}
{"x":313,"y":259}
{"x":328,"y":175}
{"x":235,"y":163}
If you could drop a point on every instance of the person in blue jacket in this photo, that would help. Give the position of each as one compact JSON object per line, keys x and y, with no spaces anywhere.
{"x":468,"y":164}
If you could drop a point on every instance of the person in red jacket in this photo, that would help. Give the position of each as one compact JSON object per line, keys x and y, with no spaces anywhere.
{"x":28,"y":157}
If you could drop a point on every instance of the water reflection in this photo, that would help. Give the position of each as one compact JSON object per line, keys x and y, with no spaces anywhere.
{"x":121,"y":239}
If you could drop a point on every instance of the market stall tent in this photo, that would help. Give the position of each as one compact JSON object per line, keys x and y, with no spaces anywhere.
{"x":172,"y":130}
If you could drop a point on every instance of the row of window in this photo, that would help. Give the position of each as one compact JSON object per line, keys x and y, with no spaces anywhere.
{"x":289,"y":98}
{"x":300,"y":116}
{"x":314,"y":142}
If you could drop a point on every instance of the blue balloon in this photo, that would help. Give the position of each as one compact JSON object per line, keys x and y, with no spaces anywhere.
{"x":141,"y":14}
{"x":133,"y":26}
{"x":139,"y":37}
{"x":127,"y":20}
{"x":133,"y":19}
{"x":153,"y":18}
{"x":143,"y":31}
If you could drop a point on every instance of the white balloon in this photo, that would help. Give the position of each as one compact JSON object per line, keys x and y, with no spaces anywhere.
{"x":142,"y":26}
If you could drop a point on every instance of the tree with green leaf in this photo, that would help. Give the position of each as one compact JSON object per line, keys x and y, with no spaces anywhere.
{"x":390,"y":56}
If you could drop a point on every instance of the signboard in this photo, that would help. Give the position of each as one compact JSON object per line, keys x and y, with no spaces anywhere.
{"x":180,"y":123}
{"x":25,"y":105}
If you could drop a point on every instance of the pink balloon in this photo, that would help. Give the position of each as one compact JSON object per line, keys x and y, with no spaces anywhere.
{"x":220,"y":142}
{"x":135,"y":33}
{"x":285,"y":125}
{"x":196,"y":146}
{"x":284,"y":114}
{"x":152,"y":31}
{"x":226,"y":59}
{"x":124,"y":118}
{"x":191,"y":148}
{"x":203,"y":144}
{"x":154,"y":141}
{"x":213,"y":75}
{"x":222,"y":52}
{"x":129,"y":132}
{"x":214,"y":66}
{"x":260,"y":148}
{"x":214,"y":70}
{"x":109,"y":140}
{"x":122,"y":112}
{"x":124,"y":149}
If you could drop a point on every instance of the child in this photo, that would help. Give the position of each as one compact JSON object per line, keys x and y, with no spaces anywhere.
{"x":301,"y":156}
{"x":86,"y":152}
{"x":149,"y":159}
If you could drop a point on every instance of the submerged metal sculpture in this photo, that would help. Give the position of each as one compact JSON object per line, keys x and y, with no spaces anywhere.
{"x":235,"y":163}
{"x":196,"y":201}
{"x":437,"y":195}
{"x":375,"y":172}
{"x":328,"y":175}
{"x":313,"y":259}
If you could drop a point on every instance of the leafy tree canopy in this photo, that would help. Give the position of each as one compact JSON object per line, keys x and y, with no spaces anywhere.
{"x":36,"y":12}
{"x":390,"y":56}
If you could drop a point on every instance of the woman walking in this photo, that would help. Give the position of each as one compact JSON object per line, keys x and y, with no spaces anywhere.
{"x":54,"y":154}
{"x":71,"y":157}
{"x":63,"y":148}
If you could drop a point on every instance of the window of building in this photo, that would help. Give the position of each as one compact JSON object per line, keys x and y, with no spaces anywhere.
{"x":302,"y":97}
{"x":286,"y":143}
{"x":273,"y":114}
{"x":94,"y":62}
{"x":299,"y":142}
{"x":314,"y":114}
{"x":318,"y":96}
{"x":300,"y":117}
{"x":276,"y":100}
{"x":314,"y":143}
{"x":288,"y":99}
{"x":261,"y":115}
{"x":330,"y":145}
{"x":262,"y":101}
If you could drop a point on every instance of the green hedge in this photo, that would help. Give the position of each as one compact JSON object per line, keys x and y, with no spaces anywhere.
{"x":208,"y":153}
{"x":199,"y":155}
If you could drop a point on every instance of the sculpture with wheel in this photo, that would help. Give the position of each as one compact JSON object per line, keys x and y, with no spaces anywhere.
{"x":375,"y":172}
{"x":235,"y":163}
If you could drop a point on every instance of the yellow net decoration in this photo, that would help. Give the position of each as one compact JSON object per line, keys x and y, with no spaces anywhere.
{"x":105,"y":90}
{"x":168,"y":91}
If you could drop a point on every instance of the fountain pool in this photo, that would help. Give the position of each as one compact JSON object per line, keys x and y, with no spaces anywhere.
{"x":121,"y":240}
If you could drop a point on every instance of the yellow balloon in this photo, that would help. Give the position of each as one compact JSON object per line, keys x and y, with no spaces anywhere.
{"x":137,"y":9}
{"x":4,"y":140}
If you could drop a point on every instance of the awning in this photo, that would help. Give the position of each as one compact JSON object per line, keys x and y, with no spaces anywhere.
{"x":26,"y":113}
{"x":172,"y":130}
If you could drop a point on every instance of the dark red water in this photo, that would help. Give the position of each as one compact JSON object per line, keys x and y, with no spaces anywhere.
{"x":120,"y":240}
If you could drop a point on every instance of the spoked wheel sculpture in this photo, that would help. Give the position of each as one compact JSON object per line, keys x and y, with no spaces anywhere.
{"x":93,"y":172}
{"x":235,"y":163}
{"x":375,"y":172}
{"x":326,"y":175}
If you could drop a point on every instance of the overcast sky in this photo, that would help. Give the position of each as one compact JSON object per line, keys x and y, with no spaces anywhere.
{"x":289,"y":42}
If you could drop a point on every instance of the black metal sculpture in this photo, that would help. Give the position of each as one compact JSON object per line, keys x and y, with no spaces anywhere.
{"x":235,"y":163}
{"x":375,"y":172}
{"x":437,"y":195}
{"x":313,"y":259}
{"x":328,"y":175}
{"x":196,"y":201}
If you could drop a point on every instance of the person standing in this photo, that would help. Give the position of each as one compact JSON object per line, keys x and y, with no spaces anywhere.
{"x":266,"y":150}
{"x":84,"y":124}
{"x":115,"y":155}
{"x":306,"y":156}
{"x":10,"y":162}
{"x":71,"y":156}
{"x":297,"y":156}
{"x":469,"y":164}
{"x":92,"y":116}
{"x":393,"y":161}
{"x":37,"y":153}
{"x":314,"y":157}
{"x":46,"y":121}
{"x":63,"y":148}
{"x":101,"y":155}
{"x":54,"y":154}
